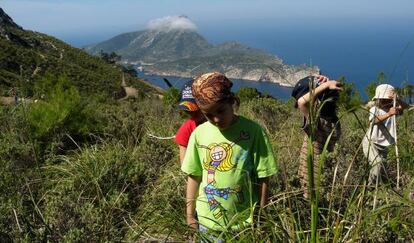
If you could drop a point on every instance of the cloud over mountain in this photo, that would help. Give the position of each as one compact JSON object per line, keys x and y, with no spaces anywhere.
{"x":172,"y":23}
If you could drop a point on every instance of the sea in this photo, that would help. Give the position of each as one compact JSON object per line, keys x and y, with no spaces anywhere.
{"x":273,"y":89}
{"x":356,"y":49}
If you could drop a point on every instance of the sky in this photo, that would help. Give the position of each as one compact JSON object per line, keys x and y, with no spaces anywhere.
{"x":352,"y":38}
{"x":94,"y":20}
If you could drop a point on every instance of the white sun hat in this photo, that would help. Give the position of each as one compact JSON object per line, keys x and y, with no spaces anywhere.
{"x":383,"y":91}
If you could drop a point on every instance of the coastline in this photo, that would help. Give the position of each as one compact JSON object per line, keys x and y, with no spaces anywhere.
{"x":168,"y":75}
{"x":274,"y":89}
{"x":283,"y":75}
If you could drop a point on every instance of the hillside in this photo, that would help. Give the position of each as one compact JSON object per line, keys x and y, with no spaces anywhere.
{"x":154,"y":45}
{"x":235,"y":65}
{"x":28,"y":56}
{"x":172,"y":51}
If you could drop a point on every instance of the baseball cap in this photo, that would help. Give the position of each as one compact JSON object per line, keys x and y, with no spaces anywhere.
{"x":302,"y":87}
{"x":187,"y":101}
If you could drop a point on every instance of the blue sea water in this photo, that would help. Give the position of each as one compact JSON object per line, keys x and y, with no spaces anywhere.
{"x":357,"y":50}
{"x":272,"y":89}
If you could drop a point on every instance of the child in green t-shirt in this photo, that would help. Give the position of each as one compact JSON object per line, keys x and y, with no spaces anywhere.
{"x":228,"y":160}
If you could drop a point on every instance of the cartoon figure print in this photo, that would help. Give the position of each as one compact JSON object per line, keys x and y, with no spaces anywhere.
{"x":219,"y":157}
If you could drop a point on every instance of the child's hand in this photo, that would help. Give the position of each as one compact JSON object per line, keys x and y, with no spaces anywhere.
{"x":192,"y":222}
{"x":321,"y":78}
{"x":333,"y":85}
{"x":395,"y":110}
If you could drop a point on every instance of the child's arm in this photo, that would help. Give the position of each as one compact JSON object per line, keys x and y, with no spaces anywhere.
{"x":182,"y":153}
{"x":393,"y":111}
{"x":193,"y":183}
{"x":305,"y":99}
{"x":263,"y":191}
{"x":401,"y":105}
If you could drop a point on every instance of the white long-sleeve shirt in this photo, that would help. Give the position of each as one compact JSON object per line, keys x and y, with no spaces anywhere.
{"x":381,"y":133}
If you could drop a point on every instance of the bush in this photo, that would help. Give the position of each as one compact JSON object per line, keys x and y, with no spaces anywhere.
{"x":92,"y":191}
{"x":171,"y":97}
{"x":246,"y":94}
{"x":60,"y":113}
{"x":349,"y":97}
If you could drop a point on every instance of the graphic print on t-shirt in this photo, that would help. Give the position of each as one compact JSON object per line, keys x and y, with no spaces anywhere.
{"x":219,"y":157}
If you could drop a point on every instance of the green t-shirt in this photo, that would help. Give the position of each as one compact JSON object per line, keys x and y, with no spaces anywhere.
{"x":230,"y":162}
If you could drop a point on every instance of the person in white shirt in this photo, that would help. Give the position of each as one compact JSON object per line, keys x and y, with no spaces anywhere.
{"x":382,"y":130}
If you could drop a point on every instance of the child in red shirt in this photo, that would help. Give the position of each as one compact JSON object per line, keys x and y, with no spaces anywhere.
{"x":188,"y":105}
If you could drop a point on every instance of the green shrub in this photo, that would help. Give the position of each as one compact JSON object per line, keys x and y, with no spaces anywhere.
{"x":60,"y":115}
{"x":171,"y":97}
{"x":246,"y":94}
{"x":349,"y":97}
{"x":60,"y":101}
{"x":18,"y":166}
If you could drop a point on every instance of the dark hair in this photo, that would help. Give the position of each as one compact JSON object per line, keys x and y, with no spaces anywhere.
{"x":304,"y":85}
{"x":232,"y":99}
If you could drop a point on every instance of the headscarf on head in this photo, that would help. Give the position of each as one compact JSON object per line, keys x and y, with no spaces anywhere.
{"x":210,"y":88}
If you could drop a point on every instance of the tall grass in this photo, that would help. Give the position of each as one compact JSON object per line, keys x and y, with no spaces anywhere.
{"x":124,"y":185}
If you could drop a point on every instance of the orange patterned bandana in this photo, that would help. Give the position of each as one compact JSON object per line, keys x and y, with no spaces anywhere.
{"x":210,"y":88}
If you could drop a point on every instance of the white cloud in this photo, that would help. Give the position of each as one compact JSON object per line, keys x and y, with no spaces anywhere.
{"x":172,"y":23}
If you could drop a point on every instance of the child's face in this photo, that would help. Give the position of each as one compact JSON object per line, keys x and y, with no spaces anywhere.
{"x":199,"y":117}
{"x":219,"y":114}
{"x":385,"y":103}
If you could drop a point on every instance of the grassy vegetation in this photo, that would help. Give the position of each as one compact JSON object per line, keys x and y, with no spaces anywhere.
{"x":30,"y":56}
{"x":79,"y":165}
{"x":87,"y":170}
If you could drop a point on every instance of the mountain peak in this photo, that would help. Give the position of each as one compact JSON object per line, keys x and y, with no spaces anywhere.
{"x":172,"y":23}
{"x":6,"y":21}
